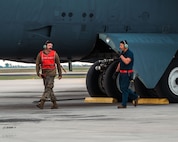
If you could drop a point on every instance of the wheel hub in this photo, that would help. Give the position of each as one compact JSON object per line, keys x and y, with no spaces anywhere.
{"x":177,"y":81}
{"x":173,"y":81}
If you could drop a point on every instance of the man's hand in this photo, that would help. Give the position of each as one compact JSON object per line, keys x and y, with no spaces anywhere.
{"x":41,"y":75}
{"x":114,"y":76}
{"x":59,"y":77}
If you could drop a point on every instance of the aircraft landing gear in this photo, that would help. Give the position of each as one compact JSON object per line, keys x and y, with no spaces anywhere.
{"x":168,"y":84}
{"x":112,"y":85}
{"x":99,"y":79}
{"x":94,"y":82}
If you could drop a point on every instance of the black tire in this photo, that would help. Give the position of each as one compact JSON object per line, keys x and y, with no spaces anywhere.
{"x":168,"y":83}
{"x":111,"y":86}
{"x":94,"y":83}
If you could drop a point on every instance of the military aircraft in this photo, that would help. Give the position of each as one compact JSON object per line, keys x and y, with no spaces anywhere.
{"x":90,"y":30}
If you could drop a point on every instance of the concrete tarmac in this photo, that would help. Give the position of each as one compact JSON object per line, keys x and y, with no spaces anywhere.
{"x":76,"y":121}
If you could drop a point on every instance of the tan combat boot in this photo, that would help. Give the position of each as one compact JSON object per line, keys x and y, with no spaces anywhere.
{"x":41,"y":104}
{"x":54,"y":106}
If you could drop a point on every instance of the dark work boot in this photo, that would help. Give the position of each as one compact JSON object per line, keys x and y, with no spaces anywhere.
{"x":135,"y":102}
{"x":121,"y":106}
{"x":54,"y":106}
{"x":41,"y":104}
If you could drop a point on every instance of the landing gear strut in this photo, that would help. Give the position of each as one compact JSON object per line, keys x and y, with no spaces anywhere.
{"x":99,"y":79}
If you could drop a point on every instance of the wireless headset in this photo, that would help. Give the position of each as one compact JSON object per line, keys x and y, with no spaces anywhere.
{"x":125,"y":44}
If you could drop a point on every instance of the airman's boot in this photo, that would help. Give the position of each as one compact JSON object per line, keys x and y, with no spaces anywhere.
{"x":121,"y":106}
{"x":135,"y":102}
{"x":54,"y":106}
{"x":41,"y":104}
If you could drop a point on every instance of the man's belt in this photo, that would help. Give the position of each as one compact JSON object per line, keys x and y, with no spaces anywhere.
{"x":126,"y":71}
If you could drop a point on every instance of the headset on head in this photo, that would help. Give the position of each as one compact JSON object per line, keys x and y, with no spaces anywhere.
{"x":125,"y":44}
{"x":45,"y":45}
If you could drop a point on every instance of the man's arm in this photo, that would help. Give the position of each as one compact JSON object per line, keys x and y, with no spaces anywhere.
{"x":118,"y":67}
{"x":57,"y":61}
{"x":114,"y":76}
{"x":125,"y":60}
{"x":38,"y":62}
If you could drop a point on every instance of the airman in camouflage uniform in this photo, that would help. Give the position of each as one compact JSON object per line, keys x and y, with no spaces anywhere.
{"x":46,"y":62}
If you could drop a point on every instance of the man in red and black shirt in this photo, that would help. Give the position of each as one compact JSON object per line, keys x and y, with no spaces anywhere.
{"x":46,"y":61}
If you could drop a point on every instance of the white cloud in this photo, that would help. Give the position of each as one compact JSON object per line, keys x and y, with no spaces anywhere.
{"x":12,"y":63}
{"x":4,"y":62}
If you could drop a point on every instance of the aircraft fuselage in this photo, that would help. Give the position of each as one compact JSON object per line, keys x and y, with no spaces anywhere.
{"x":74,"y":25}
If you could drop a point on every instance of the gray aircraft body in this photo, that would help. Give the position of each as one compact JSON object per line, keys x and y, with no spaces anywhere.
{"x":90,"y":30}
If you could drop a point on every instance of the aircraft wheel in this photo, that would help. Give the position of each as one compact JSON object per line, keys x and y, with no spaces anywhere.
{"x":169,"y":82}
{"x":94,"y":82}
{"x":112,"y":85}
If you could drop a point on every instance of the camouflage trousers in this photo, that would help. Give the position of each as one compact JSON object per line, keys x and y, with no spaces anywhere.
{"x":48,"y":88}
